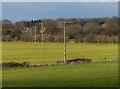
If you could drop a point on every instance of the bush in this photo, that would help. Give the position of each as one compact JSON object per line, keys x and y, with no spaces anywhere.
{"x":112,"y":39}
{"x":90,"y":38}
{"x":103,"y":39}
{"x":15,"y":38}
{"x":49,"y":38}
{"x":59,"y":38}
{"x":98,"y":39}
{"x":79,"y":39}
{"x":8,"y":38}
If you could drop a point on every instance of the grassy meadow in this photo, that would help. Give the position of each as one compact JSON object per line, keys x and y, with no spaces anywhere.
{"x":26,"y":51}
{"x":96,"y":74}
{"x":100,"y":74}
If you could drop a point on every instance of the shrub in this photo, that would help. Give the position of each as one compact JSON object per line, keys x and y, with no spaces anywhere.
{"x":90,"y":38}
{"x":79,"y":39}
{"x":8,"y":38}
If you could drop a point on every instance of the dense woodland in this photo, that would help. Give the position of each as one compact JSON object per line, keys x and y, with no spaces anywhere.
{"x":92,"y":30}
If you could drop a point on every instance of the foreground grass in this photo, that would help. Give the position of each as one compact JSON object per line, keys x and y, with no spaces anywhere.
{"x":26,"y":51}
{"x":100,"y":74}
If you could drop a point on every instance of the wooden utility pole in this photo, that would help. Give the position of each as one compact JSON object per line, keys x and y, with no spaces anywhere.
{"x":64,"y":42}
{"x":35,"y":36}
{"x":42,"y":34}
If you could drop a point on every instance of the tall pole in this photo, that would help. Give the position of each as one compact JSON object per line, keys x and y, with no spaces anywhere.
{"x":42,"y":33}
{"x":35,"y":36}
{"x":64,"y":43}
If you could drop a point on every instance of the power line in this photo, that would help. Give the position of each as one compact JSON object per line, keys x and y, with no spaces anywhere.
{"x":88,"y":8}
{"x":93,"y":4}
{"x":102,"y":9}
{"x":97,"y":8}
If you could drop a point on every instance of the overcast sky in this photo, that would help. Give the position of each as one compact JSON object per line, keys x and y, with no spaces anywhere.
{"x":17,"y":11}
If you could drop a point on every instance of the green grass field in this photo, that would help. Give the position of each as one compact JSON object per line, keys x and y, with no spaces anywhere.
{"x":26,"y":51}
{"x":97,"y":74}
{"x":100,"y":74}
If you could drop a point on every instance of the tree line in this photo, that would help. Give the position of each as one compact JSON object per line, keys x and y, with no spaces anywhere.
{"x":91,"y":30}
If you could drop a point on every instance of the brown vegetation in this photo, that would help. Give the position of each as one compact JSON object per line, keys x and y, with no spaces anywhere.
{"x":95,"y":30}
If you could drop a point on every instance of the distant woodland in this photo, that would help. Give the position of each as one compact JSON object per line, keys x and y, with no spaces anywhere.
{"x":90,"y":30}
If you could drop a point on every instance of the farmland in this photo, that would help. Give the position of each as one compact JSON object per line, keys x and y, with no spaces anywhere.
{"x":80,"y":46}
{"x":26,"y":51}
{"x":101,"y":74}
{"x":96,"y":74}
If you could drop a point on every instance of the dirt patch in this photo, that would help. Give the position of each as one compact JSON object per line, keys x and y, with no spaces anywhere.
{"x":74,"y":61}
{"x":27,"y":64}
{"x":24,"y":64}
{"x":15,"y":64}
